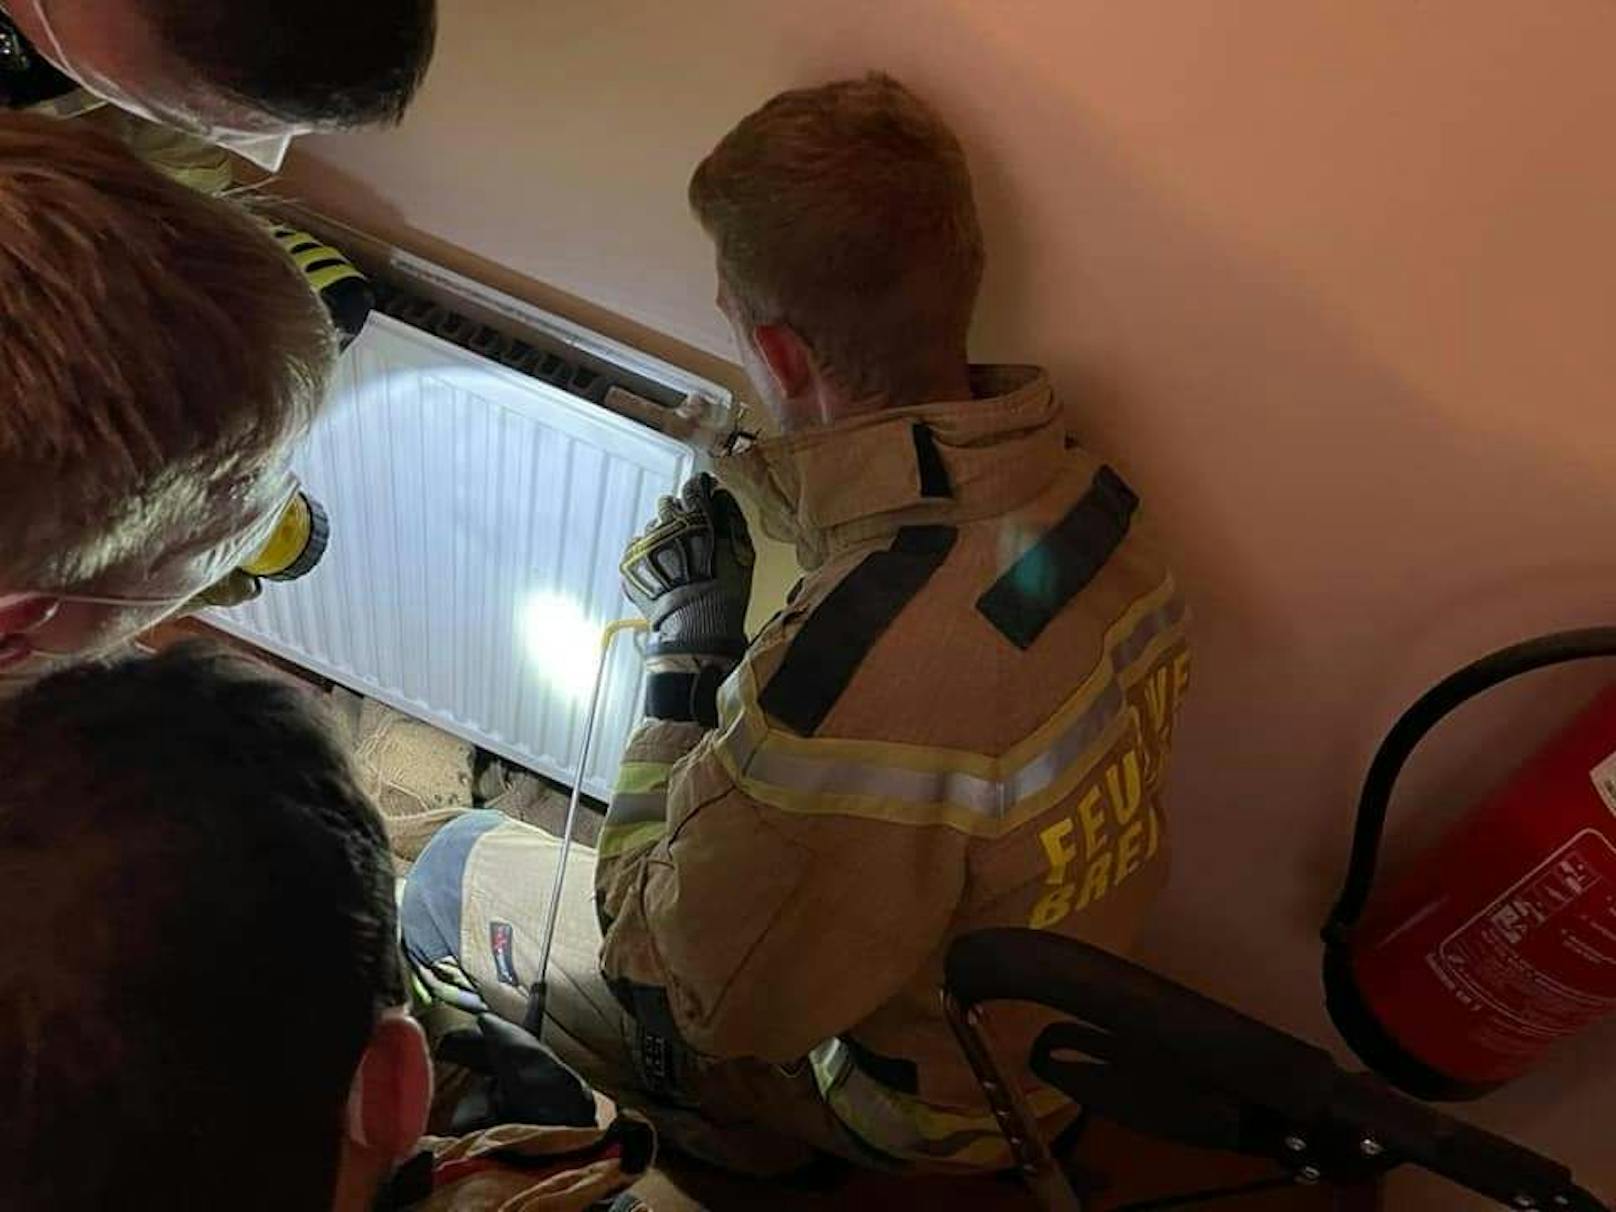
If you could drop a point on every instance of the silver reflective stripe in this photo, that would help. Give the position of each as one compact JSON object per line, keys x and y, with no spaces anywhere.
{"x":745,"y":743}
{"x":636,"y":807}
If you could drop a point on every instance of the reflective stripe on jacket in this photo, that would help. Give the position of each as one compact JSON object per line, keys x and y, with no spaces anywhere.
{"x":961,"y":720}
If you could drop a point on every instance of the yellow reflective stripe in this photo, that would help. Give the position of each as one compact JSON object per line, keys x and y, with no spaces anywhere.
{"x":968,"y":792}
{"x":620,"y":839}
{"x":321,"y":279}
{"x":905,"y":1126}
{"x":738,"y":695}
{"x":641,"y":795}
{"x":636,"y":778}
{"x":306,"y":257}
{"x":883,"y":806}
{"x":1131,"y":623}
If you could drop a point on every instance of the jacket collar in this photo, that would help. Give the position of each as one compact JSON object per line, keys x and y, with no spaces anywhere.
{"x":863,"y":478}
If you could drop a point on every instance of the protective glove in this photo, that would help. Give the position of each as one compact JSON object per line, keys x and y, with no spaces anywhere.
{"x":690,"y":574}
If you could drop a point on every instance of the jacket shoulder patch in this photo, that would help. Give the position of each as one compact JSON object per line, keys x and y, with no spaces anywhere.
{"x":1039,"y":585}
{"x":838,"y":635}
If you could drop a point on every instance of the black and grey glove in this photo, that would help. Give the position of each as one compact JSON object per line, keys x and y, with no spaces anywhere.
{"x":690,"y":574}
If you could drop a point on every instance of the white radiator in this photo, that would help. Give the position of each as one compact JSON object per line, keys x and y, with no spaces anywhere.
{"x":477,"y":518}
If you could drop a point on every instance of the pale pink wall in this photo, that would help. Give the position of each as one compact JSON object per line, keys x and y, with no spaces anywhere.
{"x":1333,"y":282}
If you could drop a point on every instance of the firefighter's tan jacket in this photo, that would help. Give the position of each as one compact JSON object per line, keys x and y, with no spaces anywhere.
{"x":527,"y":1168}
{"x":961,"y":720}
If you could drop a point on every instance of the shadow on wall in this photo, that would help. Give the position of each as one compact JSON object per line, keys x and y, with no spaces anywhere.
{"x":1346,"y":541}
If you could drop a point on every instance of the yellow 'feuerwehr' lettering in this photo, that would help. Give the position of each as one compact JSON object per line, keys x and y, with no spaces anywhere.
{"x":1124,"y":803}
{"x":1096,"y":881}
{"x":1059,"y":848}
{"x":1156,"y":698}
{"x":1130,"y":849}
{"x":1117,"y":840}
{"x":1092,"y":816}
{"x":1053,"y":906}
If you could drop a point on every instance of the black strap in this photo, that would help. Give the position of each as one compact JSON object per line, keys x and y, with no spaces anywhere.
{"x":837,"y":636}
{"x":684,"y":696}
{"x":933,"y":475}
{"x":409,"y":1185}
{"x":1037,"y":587}
{"x":893,"y":1072}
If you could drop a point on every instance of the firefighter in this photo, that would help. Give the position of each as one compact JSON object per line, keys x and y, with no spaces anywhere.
{"x":245,"y":76}
{"x":961,"y":719}
{"x":140,"y":461}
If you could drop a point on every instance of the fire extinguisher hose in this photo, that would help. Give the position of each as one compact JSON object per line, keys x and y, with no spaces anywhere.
{"x":1428,"y":710}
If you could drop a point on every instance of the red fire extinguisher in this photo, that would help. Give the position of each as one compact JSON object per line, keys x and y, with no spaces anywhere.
{"x":1501,"y":939}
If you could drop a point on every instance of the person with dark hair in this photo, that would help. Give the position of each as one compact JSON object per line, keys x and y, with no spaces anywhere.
{"x":200,"y":971}
{"x":248,"y":76}
{"x":201,"y":993}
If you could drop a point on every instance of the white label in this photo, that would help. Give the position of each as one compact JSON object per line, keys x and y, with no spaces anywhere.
{"x":1604,"y":777}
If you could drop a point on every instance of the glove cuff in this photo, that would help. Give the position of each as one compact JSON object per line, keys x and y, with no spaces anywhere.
{"x":685,"y":697}
{"x":706,"y":648}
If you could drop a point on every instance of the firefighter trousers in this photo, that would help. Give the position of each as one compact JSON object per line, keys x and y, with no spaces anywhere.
{"x":478,"y":896}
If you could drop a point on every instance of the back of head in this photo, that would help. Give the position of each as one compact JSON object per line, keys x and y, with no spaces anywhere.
{"x":846,"y":212}
{"x":306,"y":61}
{"x":159,"y":351}
{"x":199,"y":935}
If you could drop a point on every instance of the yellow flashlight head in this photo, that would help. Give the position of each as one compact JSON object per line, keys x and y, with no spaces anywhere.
{"x":298,"y":542}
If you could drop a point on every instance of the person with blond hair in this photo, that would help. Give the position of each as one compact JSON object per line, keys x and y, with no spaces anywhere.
{"x":961,"y":719}
{"x":160,"y":353}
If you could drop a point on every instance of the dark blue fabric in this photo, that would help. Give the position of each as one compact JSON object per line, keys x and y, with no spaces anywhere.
{"x":430,"y":913}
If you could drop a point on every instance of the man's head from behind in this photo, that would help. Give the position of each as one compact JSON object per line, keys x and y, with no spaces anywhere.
{"x":160,"y":352}
{"x":849,"y":253}
{"x":286,"y":66}
{"x":200,"y":950}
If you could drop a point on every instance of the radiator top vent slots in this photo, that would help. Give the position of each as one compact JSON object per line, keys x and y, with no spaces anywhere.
{"x":558,"y":368}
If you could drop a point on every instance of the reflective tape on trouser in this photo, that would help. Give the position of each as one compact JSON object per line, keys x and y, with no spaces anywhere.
{"x":637,"y":815}
{"x":970,"y":792}
{"x":909,"y":1128}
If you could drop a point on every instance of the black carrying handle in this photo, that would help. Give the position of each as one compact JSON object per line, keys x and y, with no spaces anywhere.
{"x":1154,"y":1032}
{"x":1428,"y":710}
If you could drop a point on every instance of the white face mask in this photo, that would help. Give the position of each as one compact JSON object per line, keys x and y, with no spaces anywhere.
{"x":149,"y":602}
{"x":265,"y":149}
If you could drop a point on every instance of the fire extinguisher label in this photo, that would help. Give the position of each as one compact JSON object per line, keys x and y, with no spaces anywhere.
{"x":1604,"y":777}
{"x":1536,"y":964}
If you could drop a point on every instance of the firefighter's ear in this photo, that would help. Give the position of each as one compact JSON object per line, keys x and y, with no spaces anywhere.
{"x":787,"y":356}
{"x":392,"y":1089}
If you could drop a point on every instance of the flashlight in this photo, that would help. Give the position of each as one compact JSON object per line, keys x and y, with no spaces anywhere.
{"x":297,"y":544}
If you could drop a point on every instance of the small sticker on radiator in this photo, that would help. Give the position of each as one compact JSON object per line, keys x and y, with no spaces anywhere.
{"x":1604,"y":777}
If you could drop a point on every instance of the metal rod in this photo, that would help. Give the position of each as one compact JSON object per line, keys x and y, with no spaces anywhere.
{"x":606,"y":637}
{"x":1039,"y":1170}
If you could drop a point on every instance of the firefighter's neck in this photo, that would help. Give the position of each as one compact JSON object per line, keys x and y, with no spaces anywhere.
{"x":804,"y":393}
